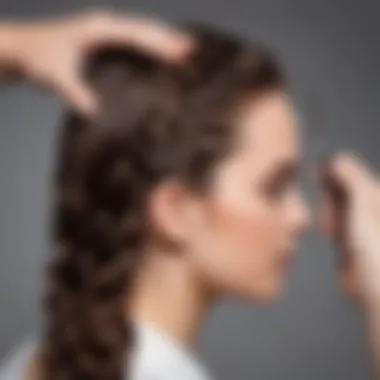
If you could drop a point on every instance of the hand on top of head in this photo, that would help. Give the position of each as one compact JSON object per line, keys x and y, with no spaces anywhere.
{"x":50,"y":52}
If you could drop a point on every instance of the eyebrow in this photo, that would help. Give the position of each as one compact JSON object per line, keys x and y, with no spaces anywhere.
{"x":285,"y":171}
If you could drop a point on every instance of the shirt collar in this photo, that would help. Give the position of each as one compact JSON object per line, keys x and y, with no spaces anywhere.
{"x":161,"y":354}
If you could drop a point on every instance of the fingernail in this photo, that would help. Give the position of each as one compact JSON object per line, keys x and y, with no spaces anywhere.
{"x":182,"y":46}
{"x":88,"y":109}
{"x":187,"y":43}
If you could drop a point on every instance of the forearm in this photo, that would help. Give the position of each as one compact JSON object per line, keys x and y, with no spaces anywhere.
{"x":370,"y":303}
{"x":372,"y":317}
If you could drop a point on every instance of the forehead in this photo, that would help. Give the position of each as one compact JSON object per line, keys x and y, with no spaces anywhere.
{"x":268,"y":129}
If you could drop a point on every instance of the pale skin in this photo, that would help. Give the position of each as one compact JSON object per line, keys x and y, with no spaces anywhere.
{"x":49,"y":52}
{"x":237,"y":241}
{"x":361,"y":278}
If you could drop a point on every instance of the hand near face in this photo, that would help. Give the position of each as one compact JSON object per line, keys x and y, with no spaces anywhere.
{"x":360,"y":274}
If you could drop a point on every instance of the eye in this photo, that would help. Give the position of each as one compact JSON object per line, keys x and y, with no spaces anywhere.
{"x":278,"y":186}
{"x":280,"y":181}
{"x":277,"y":189}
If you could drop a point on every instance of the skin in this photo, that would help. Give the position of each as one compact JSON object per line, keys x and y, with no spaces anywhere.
{"x":48,"y":53}
{"x":360,"y":279}
{"x":239,"y":239}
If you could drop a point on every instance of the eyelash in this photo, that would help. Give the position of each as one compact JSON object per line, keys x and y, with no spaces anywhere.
{"x":277,"y":190}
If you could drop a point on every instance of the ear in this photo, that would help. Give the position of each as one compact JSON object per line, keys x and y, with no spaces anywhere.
{"x":173,"y":210}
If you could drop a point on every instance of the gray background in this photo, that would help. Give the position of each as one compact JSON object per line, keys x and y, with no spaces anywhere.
{"x":328,"y":46}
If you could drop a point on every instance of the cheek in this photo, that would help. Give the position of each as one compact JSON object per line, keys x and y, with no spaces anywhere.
{"x":239,"y":246}
{"x":248,"y":231}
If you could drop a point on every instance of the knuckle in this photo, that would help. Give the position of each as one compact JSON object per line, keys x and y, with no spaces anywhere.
{"x":98,"y":14}
{"x":344,"y":160}
{"x":97,"y":20}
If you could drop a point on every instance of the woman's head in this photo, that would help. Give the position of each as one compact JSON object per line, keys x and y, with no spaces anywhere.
{"x":249,"y":224}
{"x":192,"y":164}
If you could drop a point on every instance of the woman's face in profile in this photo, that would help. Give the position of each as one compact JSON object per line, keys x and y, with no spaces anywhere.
{"x":249,"y":226}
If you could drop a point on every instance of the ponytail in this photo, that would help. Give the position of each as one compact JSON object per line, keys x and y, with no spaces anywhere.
{"x":96,"y":245}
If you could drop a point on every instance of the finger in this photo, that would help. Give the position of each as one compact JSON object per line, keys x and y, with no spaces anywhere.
{"x":76,"y":94}
{"x":355,"y":175}
{"x":349,"y":282}
{"x":328,"y":216}
{"x":152,"y":36}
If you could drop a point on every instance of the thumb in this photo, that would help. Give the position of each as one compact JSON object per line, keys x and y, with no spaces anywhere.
{"x":326,"y":214}
{"x":353,"y":173}
{"x":76,"y":94}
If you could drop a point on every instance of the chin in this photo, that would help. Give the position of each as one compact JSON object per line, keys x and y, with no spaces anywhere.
{"x":265,"y":292}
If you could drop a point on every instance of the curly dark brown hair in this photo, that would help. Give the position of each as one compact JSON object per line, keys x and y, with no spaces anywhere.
{"x":156,"y":120}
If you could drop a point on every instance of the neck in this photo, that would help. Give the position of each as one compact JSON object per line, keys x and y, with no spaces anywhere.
{"x":167,"y":296}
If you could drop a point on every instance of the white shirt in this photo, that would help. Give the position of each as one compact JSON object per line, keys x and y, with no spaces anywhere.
{"x":155,"y":357}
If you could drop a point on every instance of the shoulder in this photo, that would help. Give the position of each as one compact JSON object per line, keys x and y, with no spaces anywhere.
{"x":143,"y":370}
{"x":14,"y":364}
{"x":155,"y":357}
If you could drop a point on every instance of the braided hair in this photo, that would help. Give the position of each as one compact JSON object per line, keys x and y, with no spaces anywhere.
{"x":157,"y":120}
